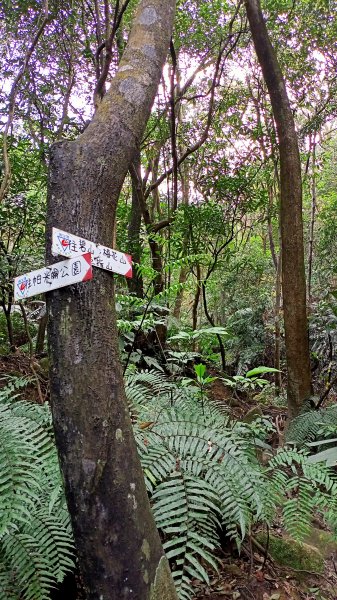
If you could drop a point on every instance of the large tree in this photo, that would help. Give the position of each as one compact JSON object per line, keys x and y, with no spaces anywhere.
{"x":293,"y":274}
{"x":119,"y":550}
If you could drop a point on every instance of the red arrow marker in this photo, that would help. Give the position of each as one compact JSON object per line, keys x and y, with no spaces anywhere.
{"x":87,"y":257}
{"x":129,"y":260}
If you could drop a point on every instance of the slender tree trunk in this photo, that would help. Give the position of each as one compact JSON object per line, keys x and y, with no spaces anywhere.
{"x":184,"y":271}
{"x":277,"y":260}
{"x":278,"y":297}
{"x":41,"y":334}
{"x":119,"y":549}
{"x":212,"y":323}
{"x":155,"y":247}
{"x":7,"y":311}
{"x":196,"y":300}
{"x":270,"y":229}
{"x":155,"y":208}
{"x":312,"y":222}
{"x":293,"y":275}
{"x":180,"y":295}
{"x":135,"y":284}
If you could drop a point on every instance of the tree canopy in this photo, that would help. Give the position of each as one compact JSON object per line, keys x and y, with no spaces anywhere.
{"x":199,"y":137}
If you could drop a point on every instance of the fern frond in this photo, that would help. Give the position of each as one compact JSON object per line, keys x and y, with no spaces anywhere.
{"x":201,"y":471}
{"x":312,"y":487}
{"x":32,"y":570}
{"x":53,"y":534}
{"x":180,"y":507}
{"x":297,"y":509}
{"x":20,"y":474}
{"x":36,"y":546}
{"x":206,"y":449}
{"x":303,"y":429}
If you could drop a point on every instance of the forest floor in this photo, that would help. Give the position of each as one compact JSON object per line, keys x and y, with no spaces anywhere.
{"x":241,"y":578}
{"x":252,"y":574}
{"x":250,"y":577}
{"x":18,"y":365}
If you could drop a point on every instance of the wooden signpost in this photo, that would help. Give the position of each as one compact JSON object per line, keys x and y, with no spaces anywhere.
{"x":81,"y":255}
{"x":55,"y":276}
{"x":67,"y":244}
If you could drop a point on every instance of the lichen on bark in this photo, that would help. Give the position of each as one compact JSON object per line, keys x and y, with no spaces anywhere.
{"x":163,"y":587}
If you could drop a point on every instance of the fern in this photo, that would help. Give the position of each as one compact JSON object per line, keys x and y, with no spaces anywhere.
{"x":302,"y":488}
{"x":141,"y":387}
{"x":316,"y":429}
{"x":304,"y":428}
{"x":181,"y":508}
{"x":13,"y":384}
{"x":202,"y":473}
{"x":36,"y":546}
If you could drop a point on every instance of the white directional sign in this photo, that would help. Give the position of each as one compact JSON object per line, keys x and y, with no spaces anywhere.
{"x":67,"y":244}
{"x":56,"y":276}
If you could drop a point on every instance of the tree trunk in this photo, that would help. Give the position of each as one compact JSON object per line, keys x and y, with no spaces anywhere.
{"x":184,"y":270}
{"x":312,"y":222}
{"x":180,"y":295}
{"x":7,"y":311}
{"x":212,"y":323}
{"x":196,"y":300}
{"x":155,"y":248}
{"x":293,"y":275}
{"x":135,"y":284}
{"x":41,"y":333}
{"x":119,"y":549}
{"x":278,"y":297}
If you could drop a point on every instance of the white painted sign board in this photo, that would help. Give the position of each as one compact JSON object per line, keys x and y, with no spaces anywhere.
{"x":55,"y":276}
{"x":67,"y":244}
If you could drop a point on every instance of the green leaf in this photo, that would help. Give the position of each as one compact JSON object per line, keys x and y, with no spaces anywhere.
{"x":328,"y":456}
{"x":322,"y":442}
{"x":200,"y":370}
{"x":260,"y":371}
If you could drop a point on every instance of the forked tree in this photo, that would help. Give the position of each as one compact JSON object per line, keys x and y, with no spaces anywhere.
{"x":119,"y":549}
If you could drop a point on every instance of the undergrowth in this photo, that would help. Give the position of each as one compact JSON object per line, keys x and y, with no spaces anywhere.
{"x":204,"y":477}
{"x":202,"y":472}
{"x":36,"y":546}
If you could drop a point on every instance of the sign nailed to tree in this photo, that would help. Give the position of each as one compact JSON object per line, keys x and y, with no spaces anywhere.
{"x":55,"y":276}
{"x":67,"y":244}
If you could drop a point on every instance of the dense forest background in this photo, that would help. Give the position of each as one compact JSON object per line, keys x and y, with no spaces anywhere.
{"x":228,"y":452}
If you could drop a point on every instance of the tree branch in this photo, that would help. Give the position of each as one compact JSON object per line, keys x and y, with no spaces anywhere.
{"x":12,"y":99}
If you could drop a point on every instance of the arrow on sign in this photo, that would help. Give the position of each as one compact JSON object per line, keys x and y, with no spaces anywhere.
{"x":67,"y":244}
{"x":56,"y":276}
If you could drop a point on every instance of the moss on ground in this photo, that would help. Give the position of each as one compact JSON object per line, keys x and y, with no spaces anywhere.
{"x":291,"y":553}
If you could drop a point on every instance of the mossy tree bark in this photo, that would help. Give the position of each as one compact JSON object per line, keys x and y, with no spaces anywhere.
{"x":293,"y":273}
{"x":119,"y":549}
